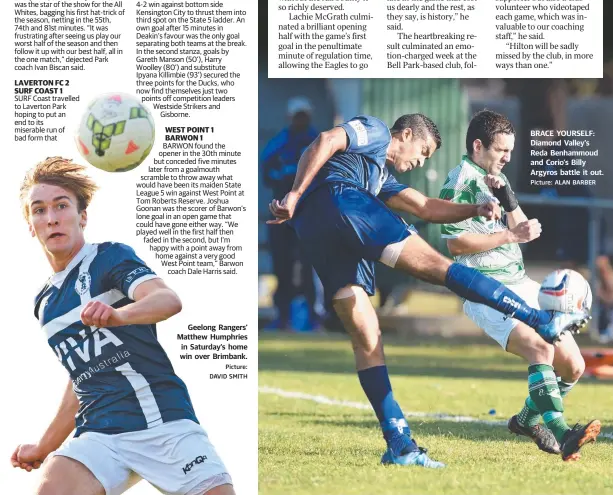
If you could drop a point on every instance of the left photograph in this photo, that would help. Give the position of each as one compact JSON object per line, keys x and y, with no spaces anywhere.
{"x":130,"y":358}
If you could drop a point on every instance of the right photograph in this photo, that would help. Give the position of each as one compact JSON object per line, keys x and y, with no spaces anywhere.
{"x":435,"y":285}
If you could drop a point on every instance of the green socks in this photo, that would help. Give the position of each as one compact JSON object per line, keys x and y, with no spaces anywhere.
{"x":530,"y":414}
{"x":545,"y":395}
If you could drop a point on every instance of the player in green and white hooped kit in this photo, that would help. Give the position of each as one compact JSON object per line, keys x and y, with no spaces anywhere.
{"x":492,"y":247}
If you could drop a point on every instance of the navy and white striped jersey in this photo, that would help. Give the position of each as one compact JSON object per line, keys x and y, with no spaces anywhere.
{"x":121,"y":375}
{"x":362,"y":164}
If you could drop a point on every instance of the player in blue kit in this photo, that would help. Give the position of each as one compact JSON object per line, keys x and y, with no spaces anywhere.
{"x":134,"y":416}
{"x":340,"y":205}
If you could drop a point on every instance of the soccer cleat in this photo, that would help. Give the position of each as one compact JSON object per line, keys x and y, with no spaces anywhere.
{"x":561,"y":323}
{"x":577,"y":437}
{"x":417,"y":457}
{"x":542,"y":437}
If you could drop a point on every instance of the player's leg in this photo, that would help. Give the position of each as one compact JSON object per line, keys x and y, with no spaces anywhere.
{"x":87,"y":465}
{"x":568,"y":363}
{"x":62,"y":476}
{"x":514,"y":336}
{"x":544,"y":397}
{"x":416,"y":257}
{"x":337,"y":249}
{"x":567,"y":359}
{"x":569,"y":366}
{"x":354,"y":309}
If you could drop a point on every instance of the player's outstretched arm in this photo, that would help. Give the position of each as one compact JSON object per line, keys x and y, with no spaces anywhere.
{"x":440,"y":211}
{"x":154,"y":302}
{"x":31,"y":456}
{"x":311,"y":161}
{"x":470,"y":243}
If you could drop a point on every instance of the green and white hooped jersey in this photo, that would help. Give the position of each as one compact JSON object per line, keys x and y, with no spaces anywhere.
{"x":465,"y":184}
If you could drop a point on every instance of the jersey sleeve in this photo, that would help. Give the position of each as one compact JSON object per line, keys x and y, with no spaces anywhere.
{"x":390,"y":188}
{"x":366,"y":135}
{"x":128,"y":271}
{"x":460,"y":192}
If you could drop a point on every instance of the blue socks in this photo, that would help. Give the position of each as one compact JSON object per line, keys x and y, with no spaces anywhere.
{"x":470,"y":284}
{"x":377,"y":387}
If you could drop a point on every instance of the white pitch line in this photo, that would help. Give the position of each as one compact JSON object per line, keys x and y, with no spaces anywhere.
{"x":321,"y":399}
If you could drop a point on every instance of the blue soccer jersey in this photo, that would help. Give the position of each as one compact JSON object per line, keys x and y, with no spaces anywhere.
{"x":121,"y":375}
{"x":362,"y":164}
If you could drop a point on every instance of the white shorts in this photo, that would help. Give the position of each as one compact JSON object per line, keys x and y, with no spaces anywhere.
{"x":176,"y":457}
{"x":495,"y":324}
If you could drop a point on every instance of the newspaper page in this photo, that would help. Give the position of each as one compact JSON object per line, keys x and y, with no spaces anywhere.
{"x":144,"y":291}
{"x":436,"y":231}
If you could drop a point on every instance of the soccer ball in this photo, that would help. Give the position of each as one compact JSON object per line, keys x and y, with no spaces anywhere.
{"x":565,"y":291}
{"x":116,"y":133}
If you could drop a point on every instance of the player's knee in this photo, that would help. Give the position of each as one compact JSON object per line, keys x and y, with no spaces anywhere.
{"x":367,"y":343}
{"x":575,"y":369}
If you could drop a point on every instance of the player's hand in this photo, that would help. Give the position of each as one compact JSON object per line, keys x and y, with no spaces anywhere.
{"x":526,"y":231}
{"x":28,"y":457}
{"x":283,"y":210}
{"x":489,"y":210}
{"x":494,"y":181}
{"x":101,"y":315}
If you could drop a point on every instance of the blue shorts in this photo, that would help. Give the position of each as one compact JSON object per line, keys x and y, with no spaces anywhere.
{"x":343,"y":230}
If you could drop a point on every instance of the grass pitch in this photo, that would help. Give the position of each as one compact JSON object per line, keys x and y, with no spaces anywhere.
{"x":314,"y":443}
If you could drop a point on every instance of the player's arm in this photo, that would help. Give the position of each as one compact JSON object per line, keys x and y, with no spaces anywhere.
{"x":437,"y":210}
{"x":315,"y":156}
{"x":470,"y":243}
{"x":153,"y":302}
{"x":502,"y":192}
{"x":516,"y":217}
{"x":31,"y":456}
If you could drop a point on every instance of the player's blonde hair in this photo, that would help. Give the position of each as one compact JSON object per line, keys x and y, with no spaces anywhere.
{"x":61,"y":172}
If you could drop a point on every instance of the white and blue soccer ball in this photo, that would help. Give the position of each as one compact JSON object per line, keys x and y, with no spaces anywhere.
{"x":565,"y":291}
{"x":116,"y":132}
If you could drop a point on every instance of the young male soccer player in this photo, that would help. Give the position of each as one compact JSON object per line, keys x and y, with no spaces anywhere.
{"x":492,"y":248}
{"x":134,"y":417}
{"x":339,"y":209}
